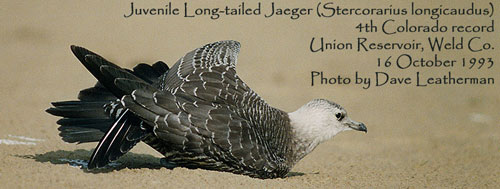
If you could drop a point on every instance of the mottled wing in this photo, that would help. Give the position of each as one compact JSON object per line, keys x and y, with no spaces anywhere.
{"x":209,"y":110}
{"x":199,"y":126}
{"x":222,"y":53}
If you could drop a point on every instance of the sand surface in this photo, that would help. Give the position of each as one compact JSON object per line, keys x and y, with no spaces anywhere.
{"x":437,"y":136}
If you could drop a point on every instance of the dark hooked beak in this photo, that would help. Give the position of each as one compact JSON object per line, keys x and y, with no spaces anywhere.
{"x":358,"y":126}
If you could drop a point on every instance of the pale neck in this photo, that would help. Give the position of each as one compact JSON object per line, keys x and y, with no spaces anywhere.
{"x":310,"y":126}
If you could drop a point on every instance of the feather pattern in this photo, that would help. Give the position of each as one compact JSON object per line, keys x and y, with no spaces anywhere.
{"x":98,"y":109}
{"x":199,"y":113}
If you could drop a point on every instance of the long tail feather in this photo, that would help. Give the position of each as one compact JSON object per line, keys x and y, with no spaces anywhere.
{"x":97,"y":116}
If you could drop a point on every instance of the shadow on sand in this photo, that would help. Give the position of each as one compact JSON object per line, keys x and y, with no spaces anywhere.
{"x":79,"y":159}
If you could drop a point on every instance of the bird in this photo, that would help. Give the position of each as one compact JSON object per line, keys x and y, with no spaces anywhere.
{"x":198,"y":114}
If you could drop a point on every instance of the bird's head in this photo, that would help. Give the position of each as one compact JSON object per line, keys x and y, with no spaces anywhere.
{"x":320,"y":120}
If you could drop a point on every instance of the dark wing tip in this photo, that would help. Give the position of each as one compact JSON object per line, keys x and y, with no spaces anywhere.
{"x":73,"y":47}
{"x":52,"y":111}
{"x":161,"y":67}
{"x":77,"y":50}
{"x":96,"y":164}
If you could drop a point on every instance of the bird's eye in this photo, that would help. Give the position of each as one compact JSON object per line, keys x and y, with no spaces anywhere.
{"x":339,"y":116}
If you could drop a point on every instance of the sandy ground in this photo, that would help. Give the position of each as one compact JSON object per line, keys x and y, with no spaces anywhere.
{"x":440,"y":136}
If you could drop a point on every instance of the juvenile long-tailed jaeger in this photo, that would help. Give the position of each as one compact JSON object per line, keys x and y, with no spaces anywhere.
{"x":198,"y":114}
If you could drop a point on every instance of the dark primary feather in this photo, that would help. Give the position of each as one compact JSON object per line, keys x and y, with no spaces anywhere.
{"x":96,"y":93}
{"x":199,"y":113}
{"x":94,"y":67}
{"x":149,"y":73}
{"x":118,"y":140}
{"x":78,"y":109}
{"x":88,"y":119}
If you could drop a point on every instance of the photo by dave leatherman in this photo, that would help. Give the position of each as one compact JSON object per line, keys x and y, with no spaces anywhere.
{"x":198,"y":114}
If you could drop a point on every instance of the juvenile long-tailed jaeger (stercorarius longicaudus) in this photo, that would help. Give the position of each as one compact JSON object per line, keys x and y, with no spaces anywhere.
{"x":198,"y":114}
